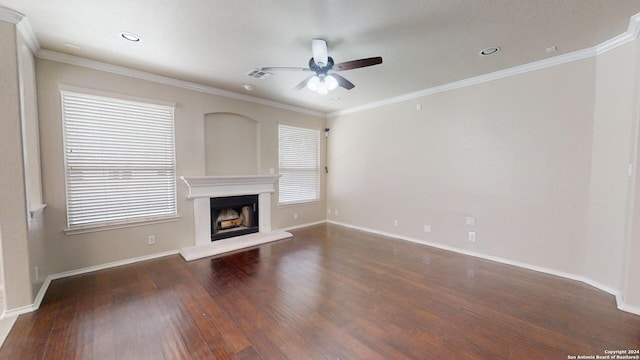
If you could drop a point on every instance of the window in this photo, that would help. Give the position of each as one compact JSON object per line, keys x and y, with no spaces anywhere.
{"x":299,"y":155}
{"x":119,"y":160}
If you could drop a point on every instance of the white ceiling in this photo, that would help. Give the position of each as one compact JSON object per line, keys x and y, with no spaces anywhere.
{"x":423,"y":43}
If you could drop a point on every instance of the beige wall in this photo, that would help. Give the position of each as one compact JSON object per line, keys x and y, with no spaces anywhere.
{"x":614,"y":121}
{"x":631,"y":275}
{"x":79,"y":251}
{"x":513,"y":153}
{"x":631,"y":249}
{"x":13,"y":203}
{"x":539,"y":159}
{"x":231,"y":144}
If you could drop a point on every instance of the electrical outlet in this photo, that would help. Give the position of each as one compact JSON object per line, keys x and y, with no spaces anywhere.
{"x":151,"y":239}
{"x":335,"y":212}
{"x":329,"y":211}
{"x":472,"y":236}
{"x":470,"y":220}
{"x":395,"y":223}
{"x":295,"y":216}
{"x":37,"y":273}
{"x":426,"y":228}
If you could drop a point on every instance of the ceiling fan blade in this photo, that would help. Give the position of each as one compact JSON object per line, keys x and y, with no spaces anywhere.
{"x":355,"y":64}
{"x":284,"y":68}
{"x":319,"y":51}
{"x":302,"y":84}
{"x":343,"y":82}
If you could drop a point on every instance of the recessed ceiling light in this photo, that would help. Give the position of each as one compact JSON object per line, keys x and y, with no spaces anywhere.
{"x":248,"y":87}
{"x":130,"y":36}
{"x":490,"y":50}
{"x":335,"y":98}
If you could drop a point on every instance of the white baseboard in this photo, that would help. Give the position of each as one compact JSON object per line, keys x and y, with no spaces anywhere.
{"x":41,"y":292}
{"x":5,"y":327}
{"x":18,"y":311}
{"x":300,"y":226}
{"x":111,"y":264}
{"x":45,"y":286}
{"x":621,"y":305}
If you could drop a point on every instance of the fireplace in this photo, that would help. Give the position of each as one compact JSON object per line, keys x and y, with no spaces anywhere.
{"x":233,"y":216}
{"x":202,"y":189}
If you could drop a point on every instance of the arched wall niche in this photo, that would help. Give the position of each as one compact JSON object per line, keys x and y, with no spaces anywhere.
{"x":231,"y":144}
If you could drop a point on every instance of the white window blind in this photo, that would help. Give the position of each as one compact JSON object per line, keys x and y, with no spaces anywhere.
{"x":299,"y":155}
{"x":120,"y":160}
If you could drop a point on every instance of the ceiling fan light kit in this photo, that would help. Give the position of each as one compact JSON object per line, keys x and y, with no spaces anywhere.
{"x":321,"y":64}
{"x":322,"y":84}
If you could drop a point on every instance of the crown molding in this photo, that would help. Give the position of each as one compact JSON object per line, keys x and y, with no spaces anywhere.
{"x":633,"y":30}
{"x":10,"y":15}
{"x":14,"y":17}
{"x":632,"y":33}
{"x":516,"y":70}
{"x":24,"y":27}
{"x":143,"y":75}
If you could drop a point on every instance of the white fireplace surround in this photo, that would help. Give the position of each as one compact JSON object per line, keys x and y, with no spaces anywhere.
{"x":202,"y":188}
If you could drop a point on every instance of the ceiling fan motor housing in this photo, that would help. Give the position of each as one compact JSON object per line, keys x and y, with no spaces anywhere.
{"x":321,"y":70}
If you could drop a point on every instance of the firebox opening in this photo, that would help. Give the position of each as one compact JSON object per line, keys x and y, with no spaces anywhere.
{"x":233,"y":216}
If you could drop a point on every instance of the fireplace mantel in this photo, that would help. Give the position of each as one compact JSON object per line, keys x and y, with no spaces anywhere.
{"x":202,"y":188}
{"x":218,"y":186}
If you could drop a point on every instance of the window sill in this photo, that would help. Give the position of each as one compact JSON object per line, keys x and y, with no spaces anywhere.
{"x":300,"y":203}
{"x":96,"y":228}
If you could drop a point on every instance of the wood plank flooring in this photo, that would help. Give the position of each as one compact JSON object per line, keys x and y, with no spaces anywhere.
{"x":328,"y":293}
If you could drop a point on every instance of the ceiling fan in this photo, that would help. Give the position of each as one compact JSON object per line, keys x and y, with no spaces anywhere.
{"x":325,"y":78}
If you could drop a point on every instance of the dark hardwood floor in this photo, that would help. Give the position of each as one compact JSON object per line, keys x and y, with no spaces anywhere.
{"x":328,"y":293}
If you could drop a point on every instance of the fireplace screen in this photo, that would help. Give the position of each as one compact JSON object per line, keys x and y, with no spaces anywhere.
{"x":233,"y":216}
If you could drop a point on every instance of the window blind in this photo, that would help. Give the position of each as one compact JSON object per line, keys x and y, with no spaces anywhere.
{"x":299,"y":156}
{"x":119,"y":160}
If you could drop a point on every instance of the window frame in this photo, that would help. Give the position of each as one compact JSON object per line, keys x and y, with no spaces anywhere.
{"x":102,"y":225}
{"x":317,"y":169}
